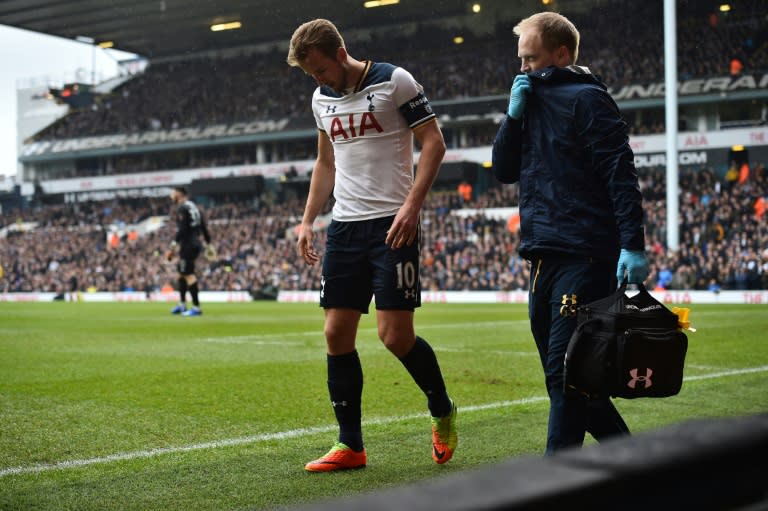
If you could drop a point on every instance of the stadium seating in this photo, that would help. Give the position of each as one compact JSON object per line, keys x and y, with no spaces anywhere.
{"x":253,"y":86}
{"x":723,"y":246}
{"x":723,"y":230}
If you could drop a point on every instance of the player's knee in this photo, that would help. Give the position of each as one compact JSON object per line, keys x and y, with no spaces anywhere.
{"x":339,"y":339}
{"x":396,"y":342}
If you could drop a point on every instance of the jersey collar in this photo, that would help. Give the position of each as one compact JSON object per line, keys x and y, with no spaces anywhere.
{"x":363,"y":76}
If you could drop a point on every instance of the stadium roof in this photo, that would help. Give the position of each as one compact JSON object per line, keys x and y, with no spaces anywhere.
{"x":162,"y":28}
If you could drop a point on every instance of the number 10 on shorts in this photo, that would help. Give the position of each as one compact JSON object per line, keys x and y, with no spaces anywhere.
{"x":406,"y":277}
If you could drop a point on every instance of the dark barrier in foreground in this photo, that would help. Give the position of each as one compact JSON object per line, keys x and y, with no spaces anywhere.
{"x":701,"y":464}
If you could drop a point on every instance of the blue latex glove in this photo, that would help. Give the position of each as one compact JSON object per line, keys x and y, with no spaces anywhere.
{"x":635,"y":264}
{"x":520,"y":87}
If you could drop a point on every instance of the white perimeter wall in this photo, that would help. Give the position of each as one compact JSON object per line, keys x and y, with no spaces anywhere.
{"x":668,"y":297}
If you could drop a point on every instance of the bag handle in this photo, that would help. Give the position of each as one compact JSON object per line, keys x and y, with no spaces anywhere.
{"x":622,"y":289}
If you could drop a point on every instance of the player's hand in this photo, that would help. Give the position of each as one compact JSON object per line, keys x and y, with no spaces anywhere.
{"x":521,"y":86}
{"x":635,"y":264}
{"x":210,"y":252}
{"x":304,"y":245}
{"x":404,"y":228}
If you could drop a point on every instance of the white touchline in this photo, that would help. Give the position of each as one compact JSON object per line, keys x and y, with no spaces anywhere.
{"x":492,"y":352}
{"x":293,"y":433}
{"x":319,"y":334}
{"x":733,"y":372}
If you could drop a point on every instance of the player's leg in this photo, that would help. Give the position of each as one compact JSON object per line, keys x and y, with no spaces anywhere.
{"x":345,"y":374}
{"x":194,"y":293}
{"x":397,"y":334}
{"x":181,"y":281}
{"x":345,"y":295}
{"x":190,"y":255}
{"x":345,"y":388}
{"x":398,"y":292}
{"x":419,"y":359}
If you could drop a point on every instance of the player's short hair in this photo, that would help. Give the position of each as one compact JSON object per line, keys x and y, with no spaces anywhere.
{"x":555,"y":29}
{"x":181,"y":189}
{"x":320,"y":34}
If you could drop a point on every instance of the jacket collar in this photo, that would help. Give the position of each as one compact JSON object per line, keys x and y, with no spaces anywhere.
{"x":570,"y":74}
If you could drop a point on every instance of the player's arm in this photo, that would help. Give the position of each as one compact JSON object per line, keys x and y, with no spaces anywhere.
{"x":204,"y":229}
{"x":183,"y":221}
{"x":405,"y":226}
{"x":210,"y":249}
{"x":320,"y":188}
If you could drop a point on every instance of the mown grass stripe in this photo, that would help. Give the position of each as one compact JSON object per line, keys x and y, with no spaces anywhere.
{"x":294,"y":433}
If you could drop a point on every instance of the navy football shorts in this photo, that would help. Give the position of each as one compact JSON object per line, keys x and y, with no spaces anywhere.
{"x":358,"y":265}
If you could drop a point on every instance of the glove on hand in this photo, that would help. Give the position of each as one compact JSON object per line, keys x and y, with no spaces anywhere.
{"x":520,"y":87}
{"x":635,"y":264}
{"x":210,"y":252}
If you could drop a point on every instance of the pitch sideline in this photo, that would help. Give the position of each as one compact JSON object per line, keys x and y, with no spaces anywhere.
{"x":294,"y":433}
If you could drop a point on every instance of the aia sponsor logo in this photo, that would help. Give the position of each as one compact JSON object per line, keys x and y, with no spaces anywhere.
{"x":353,"y":126}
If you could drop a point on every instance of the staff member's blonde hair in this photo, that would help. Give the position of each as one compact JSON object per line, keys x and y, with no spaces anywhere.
{"x":555,"y":30}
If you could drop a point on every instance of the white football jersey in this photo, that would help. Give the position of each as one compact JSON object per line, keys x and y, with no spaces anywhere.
{"x":370,"y":129}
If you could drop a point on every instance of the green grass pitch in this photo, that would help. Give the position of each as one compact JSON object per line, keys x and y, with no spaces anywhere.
{"x":123,"y":406}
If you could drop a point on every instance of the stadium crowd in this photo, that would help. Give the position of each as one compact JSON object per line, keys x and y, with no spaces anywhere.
{"x":724,"y":237}
{"x":258,"y":86}
{"x":723,"y":242}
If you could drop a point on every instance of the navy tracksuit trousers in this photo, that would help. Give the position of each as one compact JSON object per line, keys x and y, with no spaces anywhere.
{"x":558,"y":286}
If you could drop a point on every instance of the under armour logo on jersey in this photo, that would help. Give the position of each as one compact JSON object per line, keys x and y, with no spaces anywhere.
{"x":568,"y":308}
{"x":645,"y":379}
{"x":330,"y":109}
{"x":369,"y":97}
{"x":338,"y":403}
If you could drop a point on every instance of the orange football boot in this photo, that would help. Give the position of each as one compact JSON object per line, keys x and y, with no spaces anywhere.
{"x":340,"y":457}
{"x":444,"y":436}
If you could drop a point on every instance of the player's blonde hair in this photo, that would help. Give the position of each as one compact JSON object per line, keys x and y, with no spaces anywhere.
{"x":555,"y":29}
{"x":320,"y":34}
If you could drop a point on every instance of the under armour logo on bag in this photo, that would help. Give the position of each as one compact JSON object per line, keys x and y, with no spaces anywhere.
{"x":645,"y":379}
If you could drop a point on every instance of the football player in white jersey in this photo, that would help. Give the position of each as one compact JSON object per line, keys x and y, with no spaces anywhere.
{"x":367,"y":115}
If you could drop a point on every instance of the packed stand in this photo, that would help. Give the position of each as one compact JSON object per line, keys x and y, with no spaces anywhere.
{"x":261,"y":86}
{"x":723,"y":243}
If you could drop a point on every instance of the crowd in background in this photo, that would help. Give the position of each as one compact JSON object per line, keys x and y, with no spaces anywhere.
{"x":723,"y":232}
{"x":723,"y":242}
{"x":260,"y":86}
